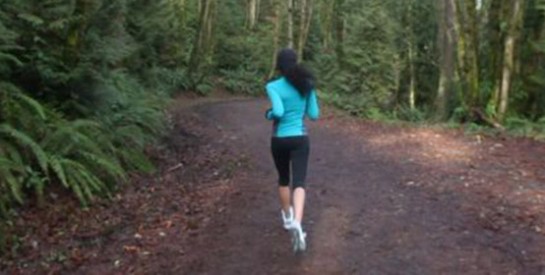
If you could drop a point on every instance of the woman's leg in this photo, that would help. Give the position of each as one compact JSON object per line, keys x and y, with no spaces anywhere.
{"x":299,"y":158}
{"x":299,"y":203}
{"x":281,"y":156}
{"x":284,"y":193}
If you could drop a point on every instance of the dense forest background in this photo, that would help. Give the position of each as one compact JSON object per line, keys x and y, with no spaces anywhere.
{"x":84,"y":83}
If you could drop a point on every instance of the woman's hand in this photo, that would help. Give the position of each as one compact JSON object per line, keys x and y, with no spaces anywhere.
{"x":268,"y":114}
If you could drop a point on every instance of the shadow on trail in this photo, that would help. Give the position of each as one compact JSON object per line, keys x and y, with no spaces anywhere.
{"x":366,"y":211}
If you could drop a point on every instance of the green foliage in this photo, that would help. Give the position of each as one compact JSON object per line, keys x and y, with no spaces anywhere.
{"x":75,"y":153}
{"x":405,"y":113}
{"x":368,"y":66}
{"x":459,"y":114}
{"x":243,"y":57}
{"x":526,"y":127}
{"x":167,"y":81}
{"x":83,"y":86}
{"x":530,"y":99}
{"x":243,"y":81}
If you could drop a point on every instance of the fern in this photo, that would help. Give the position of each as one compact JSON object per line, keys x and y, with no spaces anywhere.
{"x":80,"y":154}
{"x":12,"y":58}
{"x":6,"y":163}
{"x":109,"y":166}
{"x":73,"y":169}
{"x":56,"y":165}
{"x":13,"y":184}
{"x":26,"y":142}
{"x":86,"y":183}
{"x":77,"y":105}
{"x":135,"y":159}
{"x":65,"y":131}
{"x":31,"y":104}
{"x":32,"y":19}
{"x":81,"y":181}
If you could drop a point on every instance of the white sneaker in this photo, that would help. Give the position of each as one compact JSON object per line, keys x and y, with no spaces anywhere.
{"x":298,"y":237}
{"x":287,"y":219}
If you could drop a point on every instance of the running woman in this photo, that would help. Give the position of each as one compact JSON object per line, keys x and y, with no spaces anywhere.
{"x":293,"y":98}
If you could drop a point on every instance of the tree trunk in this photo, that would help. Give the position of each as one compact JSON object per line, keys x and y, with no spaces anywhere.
{"x":412,"y":84}
{"x":257,"y":11}
{"x":412,"y":57}
{"x":304,"y":25}
{"x":495,"y":19}
{"x":446,"y":50}
{"x":310,"y":6}
{"x":340,"y":23}
{"x":468,"y":65}
{"x":509,"y":55}
{"x":252,"y":13}
{"x":290,"y":23}
{"x":208,"y":43}
{"x":326,"y":13}
{"x":398,"y":69}
{"x":277,"y":22}
{"x":472,"y":53}
{"x":182,"y":8}
{"x":442,"y":36}
{"x":203,"y":44}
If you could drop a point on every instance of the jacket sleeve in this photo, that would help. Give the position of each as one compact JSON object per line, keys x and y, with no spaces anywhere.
{"x":313,"y":109}
{"x":277,"y":110}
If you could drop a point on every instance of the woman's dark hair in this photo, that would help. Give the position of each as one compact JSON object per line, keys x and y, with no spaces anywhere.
{"x":297,"y":75}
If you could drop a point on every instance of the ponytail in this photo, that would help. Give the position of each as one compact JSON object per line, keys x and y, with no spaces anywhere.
{"x":300,"y":78}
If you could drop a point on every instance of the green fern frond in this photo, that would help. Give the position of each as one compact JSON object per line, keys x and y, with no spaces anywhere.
{"x":91,"y":183}
{"x":57,"y":167}
{"x":31,"y":103}
{"x":12,"y":58}
{"x":37,"y":182}
{"x":151,"y":124}
{"x":131,"y":133}
{"x":73,"y":169}
{"x":108,"y":166}
{"x":84,"y":183}
{"x":77,"y":191}
{"x":85,"y":124}
{"x":11,"y":152}
{"x":13,"y":183}
{"x":70,"y":135}
{"x":27,"y":142}
{"x":32,"y":19}
{"x":6,"y":163}
{"x":137,"y":160}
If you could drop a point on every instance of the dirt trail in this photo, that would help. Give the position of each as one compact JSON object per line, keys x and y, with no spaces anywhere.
{"x":367,"y":211}
{"x":381,"y":200}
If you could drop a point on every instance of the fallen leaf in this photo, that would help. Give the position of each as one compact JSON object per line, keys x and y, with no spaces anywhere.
{"x":131,"y":248}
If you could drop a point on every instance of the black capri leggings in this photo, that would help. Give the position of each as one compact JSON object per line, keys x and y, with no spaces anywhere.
{"x":294,"y":151}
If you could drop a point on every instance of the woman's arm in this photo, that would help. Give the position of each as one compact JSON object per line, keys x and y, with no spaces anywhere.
{"x":313,"y":110}
{"x":277,"y":110}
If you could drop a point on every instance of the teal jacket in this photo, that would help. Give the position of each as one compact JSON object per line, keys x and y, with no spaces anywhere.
{"x":289,"y":108}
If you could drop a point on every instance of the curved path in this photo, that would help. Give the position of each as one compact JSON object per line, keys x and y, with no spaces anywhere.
{"x":364,"y":214}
